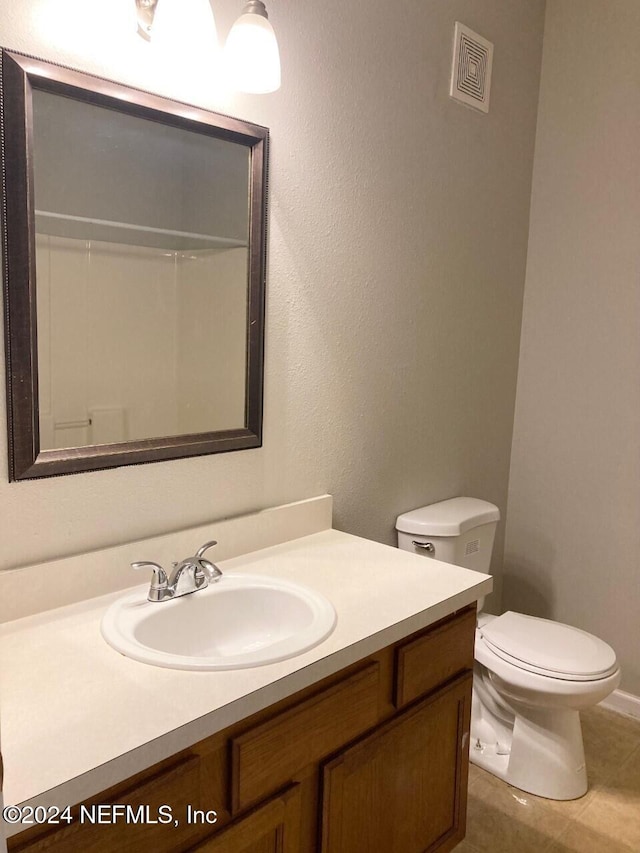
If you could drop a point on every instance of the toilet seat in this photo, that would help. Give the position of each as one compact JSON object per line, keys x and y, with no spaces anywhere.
{"x":548,"y":648}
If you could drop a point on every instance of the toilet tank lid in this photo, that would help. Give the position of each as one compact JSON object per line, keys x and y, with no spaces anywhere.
{"x":448,"y":518}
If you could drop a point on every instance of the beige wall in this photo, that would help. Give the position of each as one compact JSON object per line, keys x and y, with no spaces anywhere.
{"x":397,"y":246}
{"x":573,"y":535}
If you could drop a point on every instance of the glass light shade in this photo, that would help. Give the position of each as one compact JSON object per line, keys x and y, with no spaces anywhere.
{"x":251,"y":55}
{"x":187,"y":25}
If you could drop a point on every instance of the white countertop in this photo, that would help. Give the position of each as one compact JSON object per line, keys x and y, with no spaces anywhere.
{"x":77,"y":716}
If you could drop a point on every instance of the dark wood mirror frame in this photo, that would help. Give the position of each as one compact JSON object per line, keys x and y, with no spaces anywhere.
{"x":20,"y":75}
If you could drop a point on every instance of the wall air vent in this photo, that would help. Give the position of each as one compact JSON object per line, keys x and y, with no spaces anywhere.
{"x":471,"y":71}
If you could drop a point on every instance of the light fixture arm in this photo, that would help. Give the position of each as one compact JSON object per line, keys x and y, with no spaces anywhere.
{"x":146,"y":11}
{"x":255,"y":7}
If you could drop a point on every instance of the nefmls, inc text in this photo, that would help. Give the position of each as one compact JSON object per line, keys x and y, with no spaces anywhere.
{"x":110,"y":813}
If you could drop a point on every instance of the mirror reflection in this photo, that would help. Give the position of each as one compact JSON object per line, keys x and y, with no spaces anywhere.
{"x":134,"y":231}
{"x":141,"y":277}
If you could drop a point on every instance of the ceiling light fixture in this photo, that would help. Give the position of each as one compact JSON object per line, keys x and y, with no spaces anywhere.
{"x":251,"y":54}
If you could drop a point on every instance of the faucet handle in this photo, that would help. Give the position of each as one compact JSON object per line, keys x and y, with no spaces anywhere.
{"x":209,"y":570}
{"x":159,"y":573}
{"x":205,"y":547}
{"x":159,"y":581}
{"x":205,"y":568}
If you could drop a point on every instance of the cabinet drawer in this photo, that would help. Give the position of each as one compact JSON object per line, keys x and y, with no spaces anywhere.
{"x":177,"y":787}
{"x":427,"y":661}
{"x":270,"y":755}
{"x":271,"y":828}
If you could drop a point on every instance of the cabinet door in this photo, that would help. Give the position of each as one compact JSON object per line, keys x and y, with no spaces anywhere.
{"x":272,"y":828}
{"x":177,"y":785}
{"x":403,"y":788}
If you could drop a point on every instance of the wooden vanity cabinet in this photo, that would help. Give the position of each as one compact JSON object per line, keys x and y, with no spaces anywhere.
{"x":373,"y":758}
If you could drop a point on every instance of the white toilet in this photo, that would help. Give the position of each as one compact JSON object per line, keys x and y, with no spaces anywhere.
{"x":531,"y":676}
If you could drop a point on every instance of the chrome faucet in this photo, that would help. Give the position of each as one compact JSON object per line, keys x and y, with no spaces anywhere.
{"x":188,"y":576}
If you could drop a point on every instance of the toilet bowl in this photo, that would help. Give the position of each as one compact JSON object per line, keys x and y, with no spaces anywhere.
{"x":532,"y":676}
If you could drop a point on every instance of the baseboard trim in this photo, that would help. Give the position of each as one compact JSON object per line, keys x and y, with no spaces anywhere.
{"x":623,"y":703}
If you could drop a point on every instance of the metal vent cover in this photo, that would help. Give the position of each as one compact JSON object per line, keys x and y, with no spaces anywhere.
{"x":471,"y":69}
{"x":472,"y":547}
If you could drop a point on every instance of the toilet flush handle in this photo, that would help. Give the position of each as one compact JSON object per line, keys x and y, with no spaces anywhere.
{"x":424,"y":546}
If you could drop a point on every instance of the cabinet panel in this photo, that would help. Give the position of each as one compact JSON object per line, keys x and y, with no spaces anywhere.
{"x":177,"y":787}
{"x":435,"y":657}
{"x":272,"y":828}
{"x":402,"y":789}
{"x":271,"y":754}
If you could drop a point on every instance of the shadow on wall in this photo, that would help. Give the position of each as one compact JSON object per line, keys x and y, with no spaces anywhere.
{"x":527,"y":585}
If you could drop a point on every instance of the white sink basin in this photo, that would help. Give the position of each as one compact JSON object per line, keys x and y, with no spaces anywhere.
{"x":239,"y":621}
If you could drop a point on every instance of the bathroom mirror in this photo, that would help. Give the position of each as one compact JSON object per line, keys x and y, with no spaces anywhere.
{"x":134,"y":263}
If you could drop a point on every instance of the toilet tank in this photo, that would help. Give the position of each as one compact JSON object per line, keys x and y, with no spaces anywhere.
{"x":458,"y":530}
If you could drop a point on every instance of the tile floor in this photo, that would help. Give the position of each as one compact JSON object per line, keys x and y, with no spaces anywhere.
{"x":501,"y":819}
